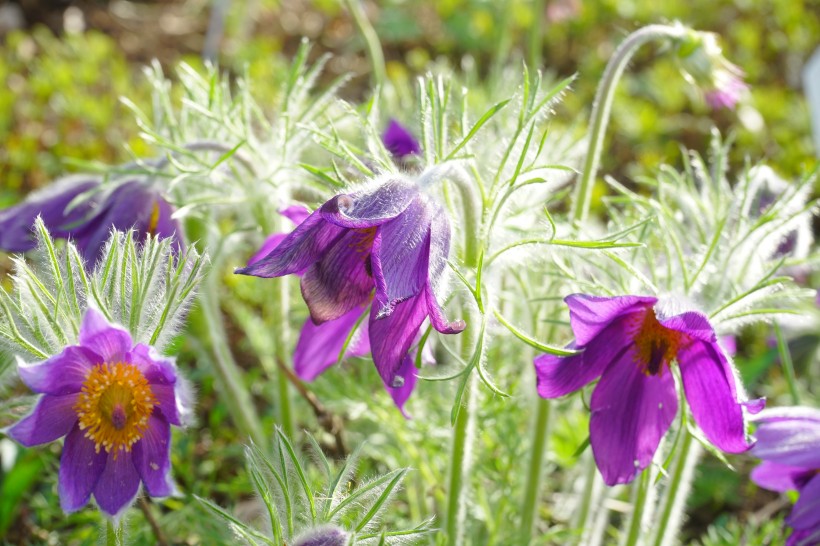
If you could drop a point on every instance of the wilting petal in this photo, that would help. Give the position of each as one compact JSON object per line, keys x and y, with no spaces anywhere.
{"x":693,"y":324}
{"x":319,"y":346}
{"x":631,"y":412}
{"x":806,"y":511}
{"x":61,"y":374}
{"x":152,"y":458}
{"x":589,"y":315}
{"x":710,"y":389}
{"x":53,"y":417}
{"x":50,"y":203}
{"x":98,"y":335}
{"x":779,"y":477}
{"x":399,"y":141}
{"x":789,"y":436}
{"x":560,"y":375}
{"x":302,"y":247}
{"x":341,"y":280}
{"x":392,"y":336}
{"x":401,"y":256}
{"x":437,"y":318}
{"x":80,"y":469}
{"x":371,"y":207}
{"x":118,"y":484}
{"x":401,"y":393}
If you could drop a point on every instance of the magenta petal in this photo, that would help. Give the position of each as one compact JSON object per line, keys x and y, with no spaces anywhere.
{"x":97,"y":334}
{"x":437,"y":318}
{"x":118,"y":484}
{"x":371,"y":207}
{"x":61,"y":374}
{"x":319,"y":346}
{"x":589,"y":315}
{"x":295,"y":213}
{"x":156,"y":368}
{"x":777,"y":477}
{"x":693,"y":324}
{"x":560,"y":375}
{"x":267,"y":247}
{"x":152,"y":458}
{"x":303,"y":246}
{"x":401,"y":393}
{"x":808,"y":537}
{"x":399,"y":141}
{"x":80,"y":469}
{"x":340,"y":281}
{"x":392,"y":336}
{"x":401,"y":256}
{"x":631,"y":412}
{"x":53,"y":417}
{"x":710,"y":389}
{"x":806,"y":511}
{"x":789,"y":436}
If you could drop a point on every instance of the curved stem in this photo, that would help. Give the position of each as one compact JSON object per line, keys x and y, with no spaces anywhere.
{"x":602,"y":106}
{"x":539,"y":448}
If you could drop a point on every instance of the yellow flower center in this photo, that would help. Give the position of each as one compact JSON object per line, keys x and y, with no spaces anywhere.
{"x":114,"y":406}
{"x":656,"y":345}
{"x":153,"y":222}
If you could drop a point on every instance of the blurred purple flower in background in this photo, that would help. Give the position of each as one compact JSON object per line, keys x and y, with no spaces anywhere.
{"x":788,"y":441}
{"x":630,"y":348}
{"x":704,"y":65}
{"x":115,"y":403}
{"x":399,"y":141}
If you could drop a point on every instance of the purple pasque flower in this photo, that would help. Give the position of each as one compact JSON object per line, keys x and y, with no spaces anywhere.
{"x":703,"y":63}
{"x":88,"y":220}
{"x":399,"y":141}
{"x":384,"y":246}
{"x":788,"y":441}
{"x":115,"y":403}
{"x":623,"y":341}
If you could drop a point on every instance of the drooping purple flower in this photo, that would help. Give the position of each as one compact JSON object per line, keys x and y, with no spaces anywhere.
{"x":703,"y":63}
{"x":399,"y":141}
{"x":625,"y":343}
{"x":132,"y":204}
{"x":115,"y":403}
{"x":388,"y":244}
{"x":788,"y":441}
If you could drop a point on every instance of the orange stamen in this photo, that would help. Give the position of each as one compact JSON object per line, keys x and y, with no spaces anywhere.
{"x":656,"y":345}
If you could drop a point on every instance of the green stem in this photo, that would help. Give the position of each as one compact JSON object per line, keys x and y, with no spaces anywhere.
{"x":788,"y":365}
{"x":602,"y":107}
{"x":638,"y":507}
{"x":460,"y":463}
{"x":536,"y":35}
{"x":676,"y":491}
{"x":539,"y":448}
{"x":371,"y":40}
{"x":279,"y":305}
{"x":114,"y":535}
{"x":586,"y":497}
{"x":234,"y":393}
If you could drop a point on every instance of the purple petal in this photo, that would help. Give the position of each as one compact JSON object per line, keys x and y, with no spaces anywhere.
{"x":319,"y":346}
{"x":50,"y":203}
{"x":80,"y":469}
{"x":108,"y":341}
{"x":399,"y":141}
{"x":807,"y":537}
{"x":53,"y":417}
{"x":401,"y":393}
{"x":118,"y":484}
{"x":302,"y":247}
{"x":778,"y":477}
{"x":631,"y":412}
{"x":692,"y":323}
{"x":789,"y":436}
{"x":560,"y":375}
{"x":161,"y":374}
{"x":401,"y":256}
{"x":392,"y":336}
{"x":152,"y":458}
{"x":589,"y":315}
{"x":806,"y":511}
{"x":296,"y":214}
{"x":341,"y":280}
{"x":437,"y":318}
{"x":61,"y":374}
{"x":372,"y":207}
{"x":439,"y":244}
{"x":711,"y":391}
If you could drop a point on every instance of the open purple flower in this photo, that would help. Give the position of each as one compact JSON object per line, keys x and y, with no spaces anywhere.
{"x":623,"y":341}
{"x":399,"y":141}
{"x":390,"y":237}
{"x":88,"y":220}
{"x":788,"y":441}
{"x":115,"y":403}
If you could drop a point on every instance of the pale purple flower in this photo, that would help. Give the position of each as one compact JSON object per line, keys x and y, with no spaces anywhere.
{"x":114,"y":402}
{"x":624,"y":342}
{"x":324,"y":536}
{"x":726,"y":91}
{"x":704,"y":65}
{"x":399,"y":141}
{"x":788,"y":441}
{"x":384,"y":246}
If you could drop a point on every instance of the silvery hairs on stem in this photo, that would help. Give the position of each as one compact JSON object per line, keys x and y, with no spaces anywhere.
{"x":147,"y":288}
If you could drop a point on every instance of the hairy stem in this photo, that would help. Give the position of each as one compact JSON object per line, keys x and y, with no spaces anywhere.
{"x":638,"y":507}
{"x":539,"y":448}
{"x":666,"y":526}
{"x":460,"y":463}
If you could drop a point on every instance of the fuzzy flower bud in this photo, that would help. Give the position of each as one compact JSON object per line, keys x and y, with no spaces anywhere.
{"x":704,"y":65}
{"x":324,"y":536}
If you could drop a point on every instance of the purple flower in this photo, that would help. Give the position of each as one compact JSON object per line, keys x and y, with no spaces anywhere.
{"x":726,"y":92}
{"x":399,"y":141}
{"x":788,"y":441}
{"x":88,"y":220}
{"x":704,"y":65}
{"x":623,"y":341}
{"x":386,"y":247}
{"x":115,"y":403}
{"x":325,"y":536}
